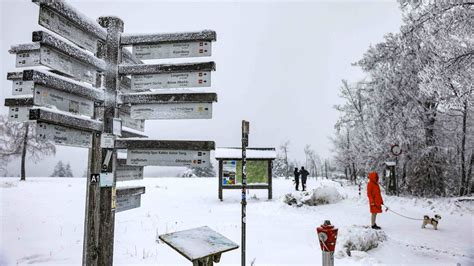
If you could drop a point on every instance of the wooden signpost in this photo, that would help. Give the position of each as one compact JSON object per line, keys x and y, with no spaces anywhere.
{"x":83,"y":101}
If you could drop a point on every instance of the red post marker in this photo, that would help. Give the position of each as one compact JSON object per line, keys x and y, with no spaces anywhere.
{"x":327,"y":235}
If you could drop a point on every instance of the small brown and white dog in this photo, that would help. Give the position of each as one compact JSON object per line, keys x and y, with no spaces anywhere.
{"x":433,"y":221}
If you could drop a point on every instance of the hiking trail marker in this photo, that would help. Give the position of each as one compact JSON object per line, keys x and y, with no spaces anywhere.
{"x":79,"y":99}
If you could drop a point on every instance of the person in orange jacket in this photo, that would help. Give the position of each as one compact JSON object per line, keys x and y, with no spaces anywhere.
{"x":375,"y":198}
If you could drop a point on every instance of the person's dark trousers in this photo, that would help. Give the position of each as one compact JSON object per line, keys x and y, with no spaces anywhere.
{"x":303,"y":183}
{"x":297,"y":182}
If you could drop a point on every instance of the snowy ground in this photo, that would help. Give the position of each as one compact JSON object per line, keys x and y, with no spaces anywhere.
{"x":42,"y":222}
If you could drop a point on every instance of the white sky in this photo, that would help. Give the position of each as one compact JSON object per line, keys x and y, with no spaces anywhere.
{"x":279,"y":64}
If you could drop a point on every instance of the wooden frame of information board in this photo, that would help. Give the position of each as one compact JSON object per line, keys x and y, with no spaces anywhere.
{"x":268,"y":158}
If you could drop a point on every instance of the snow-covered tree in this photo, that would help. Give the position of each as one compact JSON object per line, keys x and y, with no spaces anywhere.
{"x":418,"y":94}
{"x":61,"y":170}
{"x":200,"y":172}
{"x":18,"y":140}
{"x":284,"y":149}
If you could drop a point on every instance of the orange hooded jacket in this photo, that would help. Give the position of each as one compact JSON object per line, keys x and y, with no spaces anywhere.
{"x":373,"y":193}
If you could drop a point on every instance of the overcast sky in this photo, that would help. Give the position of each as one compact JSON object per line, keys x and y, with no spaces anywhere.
{"x":279,"y":64}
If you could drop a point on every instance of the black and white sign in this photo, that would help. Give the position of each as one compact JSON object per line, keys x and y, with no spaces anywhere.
{"x":173,"y":50}
{"x":171,"y":80}
{"x":172,"y":111}
{"x":63,"y":135}
{"x":44,"y":96}
{"x":59,"y":24}
{"x":145,"y":157}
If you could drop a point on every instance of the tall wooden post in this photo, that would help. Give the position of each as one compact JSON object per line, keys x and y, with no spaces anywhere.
{"x":113,"y":57}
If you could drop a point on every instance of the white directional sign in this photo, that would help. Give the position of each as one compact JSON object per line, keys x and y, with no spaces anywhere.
{"x":63,"y":135}
{"x":171,"y":80}
{"x":20,"y":86}
{"x":57,"y":61}
{"x":145,"y":157}
{"x":125,"y":203}
{"x":127,"y":121}
{"x":173,"y":50}
{"x":128,"y":172}
{"x":44,"y":96}
{"x":172,"y":111}
{"x":59,"y":24}
{"x":19,"y":113}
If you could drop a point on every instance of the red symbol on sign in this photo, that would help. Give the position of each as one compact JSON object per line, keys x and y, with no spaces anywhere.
{"x":200,"y":51}
{"x":200,"y":81}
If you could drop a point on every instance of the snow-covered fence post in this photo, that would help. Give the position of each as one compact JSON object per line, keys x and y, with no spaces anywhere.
{"x":245,"y":143}
{"x":327,"y":235}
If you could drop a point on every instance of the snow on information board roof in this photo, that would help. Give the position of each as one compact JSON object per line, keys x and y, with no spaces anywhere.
{"x":252,"y":153}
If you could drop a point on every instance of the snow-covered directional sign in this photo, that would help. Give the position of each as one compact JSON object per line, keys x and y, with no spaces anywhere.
{"x":143,"y":152}
{"x":172,"y":111}
{"x":19,"y":86}
{"x":160,"y":76}
{"x":52,"y":52}
{"x":126,"y":172}
{"x":170,"y":105}
{"x":63,"y":26}
{"x":128,"y":198}
{"x":145,"y":157}
{"x":63,"y":135}
{"x":171,"y":45}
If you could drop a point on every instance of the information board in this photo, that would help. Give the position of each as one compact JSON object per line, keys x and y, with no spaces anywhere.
{"x":257,"y":172}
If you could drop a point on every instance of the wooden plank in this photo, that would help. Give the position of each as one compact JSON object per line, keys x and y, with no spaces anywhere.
{"x":128,"y":198}
{"x":165,"y":68}
{"x":44,"y":96}
{"x":254,"y":186}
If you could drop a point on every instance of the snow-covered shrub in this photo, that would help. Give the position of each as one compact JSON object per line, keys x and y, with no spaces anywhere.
{"x":358,"y":238}
{"x":326,"y":192}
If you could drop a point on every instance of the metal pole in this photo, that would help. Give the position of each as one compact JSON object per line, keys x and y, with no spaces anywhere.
{"x":328,"y":258}
{"x":113,"y":56}
{"x":245,"y":134}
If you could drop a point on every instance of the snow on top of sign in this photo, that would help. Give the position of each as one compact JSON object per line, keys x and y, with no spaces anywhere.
{"x":56,"y":81}
{"x":53,"y":109}
{"x":252,"y":153}
{"x":26,"y":47}
{"x":69,"y":49}
{"x":198,"y":242}
{"x":126,"y":131}
{"x":75,"y":16}
{"x":157,"y":38}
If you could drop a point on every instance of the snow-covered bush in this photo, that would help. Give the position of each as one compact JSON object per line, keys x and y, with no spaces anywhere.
{"x":326,"y":192}
{"x":358,"y":238}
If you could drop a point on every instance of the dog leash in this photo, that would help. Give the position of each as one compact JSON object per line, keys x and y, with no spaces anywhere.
{"x":404,"y":215}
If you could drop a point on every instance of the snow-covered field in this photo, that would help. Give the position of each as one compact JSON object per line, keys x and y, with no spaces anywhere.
{"x":42,"y":222}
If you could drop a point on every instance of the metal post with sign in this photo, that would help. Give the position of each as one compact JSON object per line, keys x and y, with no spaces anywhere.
{"x":97,"y":94}
{"x":245,"y":143}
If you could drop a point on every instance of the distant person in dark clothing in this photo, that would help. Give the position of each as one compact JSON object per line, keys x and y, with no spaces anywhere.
{"x":297,"y":178}
{"x":304,"y":175}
